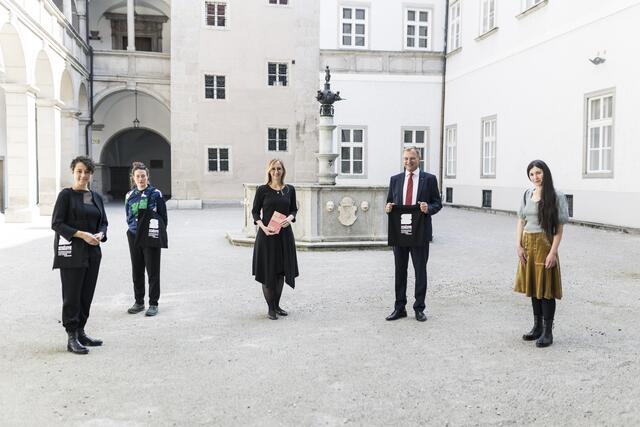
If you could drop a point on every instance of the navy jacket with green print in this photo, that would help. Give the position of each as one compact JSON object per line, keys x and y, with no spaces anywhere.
{"x":149,"y":198}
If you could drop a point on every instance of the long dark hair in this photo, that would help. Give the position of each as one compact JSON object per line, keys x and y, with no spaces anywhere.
{"x":547,"y":206}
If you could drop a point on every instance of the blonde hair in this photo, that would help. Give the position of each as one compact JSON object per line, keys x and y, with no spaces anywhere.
{"x":271,"y":164}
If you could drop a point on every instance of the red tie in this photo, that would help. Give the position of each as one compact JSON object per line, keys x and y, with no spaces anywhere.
{"x":407,"y":199}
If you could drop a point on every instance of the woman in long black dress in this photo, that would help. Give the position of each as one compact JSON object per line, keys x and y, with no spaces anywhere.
{"x":274,"y":251}
{"x":80,"y":223}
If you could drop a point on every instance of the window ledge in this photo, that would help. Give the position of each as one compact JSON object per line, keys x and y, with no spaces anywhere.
{"x":487,"y":34}
{"x":591,"y":175}
{"x":488,"y":176}
{"x":532,"y":9}
{"x":454,"y":51}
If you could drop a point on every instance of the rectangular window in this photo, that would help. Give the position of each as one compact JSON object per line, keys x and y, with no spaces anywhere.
{"x":416,"y":137}
{"x":489,"y":147}
{"x":449,"y":195}
{"x":487,"y":15}
{"x":218,"y":159}
{"x":214,"y":87}
{"x":216,"y":13}
{"x":352,"y":142}
{"x":281,"y":2}
{"x":600,"y":134}
{"x":454,"y":24}
{"x":354,"y":27}
{"x":277,"y":73}
{"x":486,"y":198}
{"x":451,"y":144}
{"x":277,"y":139}
{"x":417,"y":27}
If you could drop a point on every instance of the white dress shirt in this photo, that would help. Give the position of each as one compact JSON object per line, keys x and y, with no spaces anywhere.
{"x":416,"y":179}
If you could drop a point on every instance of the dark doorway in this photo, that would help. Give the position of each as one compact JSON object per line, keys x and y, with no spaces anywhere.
{"x":136,"y":145}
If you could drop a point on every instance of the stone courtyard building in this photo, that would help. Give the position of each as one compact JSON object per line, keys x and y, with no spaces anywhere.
{"x":206,"y":91}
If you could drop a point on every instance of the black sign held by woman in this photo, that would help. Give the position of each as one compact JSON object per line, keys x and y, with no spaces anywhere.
{"x":406,"y":226}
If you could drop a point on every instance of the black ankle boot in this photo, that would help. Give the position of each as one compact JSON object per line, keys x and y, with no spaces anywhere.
{"x":536,"y":331}
{"x":73,"y":345}
{"x":84,"y":339}
{"x":272,"y":314}
{"x":547,"y":335}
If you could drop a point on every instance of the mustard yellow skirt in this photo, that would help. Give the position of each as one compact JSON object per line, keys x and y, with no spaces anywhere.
{"x":532,"y":279}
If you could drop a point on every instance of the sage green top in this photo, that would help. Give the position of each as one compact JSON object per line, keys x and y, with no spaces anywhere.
{"x":529,"y":211}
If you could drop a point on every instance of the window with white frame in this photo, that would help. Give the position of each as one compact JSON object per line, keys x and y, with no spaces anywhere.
{"x":600,"y":134}
{"x":277,"y":139}
{"x":451,"y":144}
{"x":281,"y":2}
{"x":489,"y":146}
{"x":487,"y":15}
{"x":216,"y":13}
{"x":218,"y":159}
{"x":214,"y":87}
{"x":527,"y":4}
{"x":417,"y":29}
{"x":416,"y":137}
{"x":353,"y":27}
{"x":277,"y":73}
{"x":454,"y":26}
{"x":352,"y":142}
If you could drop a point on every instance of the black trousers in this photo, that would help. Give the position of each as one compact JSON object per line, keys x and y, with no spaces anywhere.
{"x":142,"y":258}
{"x":78,"y":287}
{"x":419,"y":258}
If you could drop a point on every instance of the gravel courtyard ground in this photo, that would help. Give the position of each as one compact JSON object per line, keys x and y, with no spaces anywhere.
{"x":211,"y":357}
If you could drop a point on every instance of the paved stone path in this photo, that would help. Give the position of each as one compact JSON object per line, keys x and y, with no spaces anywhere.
{"x":212,"y":358}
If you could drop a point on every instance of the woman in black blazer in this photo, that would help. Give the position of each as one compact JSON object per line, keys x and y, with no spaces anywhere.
{"x":80,"y":223}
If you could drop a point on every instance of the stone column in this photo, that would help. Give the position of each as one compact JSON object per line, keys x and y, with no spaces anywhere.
{"x":67,"y":10}
{"x":21,"y":153}
{"x":48,"y":127}
{"x":69,"y":144}
{"x":82,"y":19}
{"x":131,"y":26}
{"x":326,"y":156}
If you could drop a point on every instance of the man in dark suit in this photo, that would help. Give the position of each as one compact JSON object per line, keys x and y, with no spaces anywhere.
{"x":413,"y":187}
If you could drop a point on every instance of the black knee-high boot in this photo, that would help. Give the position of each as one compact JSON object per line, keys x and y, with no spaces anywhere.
{"x":536,"y":331}
{"x":279,"y":288}
{"x":270,"y":298}
{"x":548,"y":313}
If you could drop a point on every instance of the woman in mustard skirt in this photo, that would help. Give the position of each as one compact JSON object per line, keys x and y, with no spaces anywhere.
{"x":541,"y":216}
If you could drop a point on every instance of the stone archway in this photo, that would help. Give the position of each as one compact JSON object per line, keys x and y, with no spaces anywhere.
{"x":135,"y":144}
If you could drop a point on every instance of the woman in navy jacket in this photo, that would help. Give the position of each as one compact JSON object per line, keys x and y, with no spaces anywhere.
{"x":143,"y":204}
{"x":80,"y":223}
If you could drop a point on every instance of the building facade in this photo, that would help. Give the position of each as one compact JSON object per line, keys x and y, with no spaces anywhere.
{"x":550,"y":80}
{"x":207,"y":91}
{"x":386,"y":59}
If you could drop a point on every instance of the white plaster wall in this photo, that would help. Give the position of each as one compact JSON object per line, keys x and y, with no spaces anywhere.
{"x":384,"y":105}
{"x":535,"y":82}
{"x":386,"y":23}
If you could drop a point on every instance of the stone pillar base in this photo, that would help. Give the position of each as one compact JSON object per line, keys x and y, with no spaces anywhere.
{"x":184,"y":204}
{"x":329,"y":217}
{"x":20,"y":214}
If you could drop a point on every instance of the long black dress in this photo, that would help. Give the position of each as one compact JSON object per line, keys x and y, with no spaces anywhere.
{"x":274,"y":255}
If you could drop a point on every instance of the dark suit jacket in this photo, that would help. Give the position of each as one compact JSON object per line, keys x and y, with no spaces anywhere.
{"x":427,"y":192}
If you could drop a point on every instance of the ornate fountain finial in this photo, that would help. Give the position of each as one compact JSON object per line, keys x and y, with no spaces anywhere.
{"x":326,"y":97}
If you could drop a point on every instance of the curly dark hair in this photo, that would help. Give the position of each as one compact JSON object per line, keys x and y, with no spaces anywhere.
{"x":86,"y":161}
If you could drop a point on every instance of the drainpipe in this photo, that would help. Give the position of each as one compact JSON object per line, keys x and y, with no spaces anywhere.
{"x":444,"y":83}
{"x":88,"y":126}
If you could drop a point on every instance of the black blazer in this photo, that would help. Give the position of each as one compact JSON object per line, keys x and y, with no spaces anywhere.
{"x":68,"y":217}
{"x":427,"y":192}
